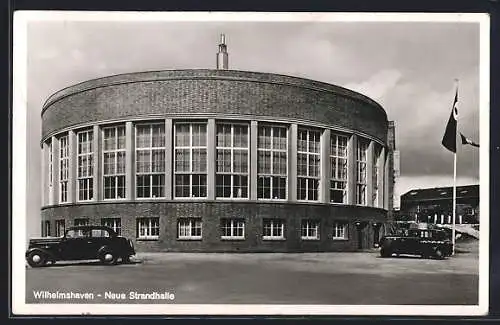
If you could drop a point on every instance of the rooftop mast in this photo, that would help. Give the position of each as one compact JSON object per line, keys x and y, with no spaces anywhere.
{"x":222,"y":56}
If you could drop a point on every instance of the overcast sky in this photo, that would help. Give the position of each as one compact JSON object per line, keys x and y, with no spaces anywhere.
{"x":407,"y":67}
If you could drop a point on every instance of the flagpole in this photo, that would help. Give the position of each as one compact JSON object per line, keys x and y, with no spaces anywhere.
{"x":454,"y":201}
{"x":454,"y":185}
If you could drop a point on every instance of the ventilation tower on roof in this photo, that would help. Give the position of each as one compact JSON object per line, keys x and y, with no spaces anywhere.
{"x":222,"y":56}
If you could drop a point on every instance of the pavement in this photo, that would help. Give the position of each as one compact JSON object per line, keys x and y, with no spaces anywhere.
{"x":262,"y":278}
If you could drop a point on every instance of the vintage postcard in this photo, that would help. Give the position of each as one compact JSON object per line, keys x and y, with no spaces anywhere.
{"x":218,"y":163}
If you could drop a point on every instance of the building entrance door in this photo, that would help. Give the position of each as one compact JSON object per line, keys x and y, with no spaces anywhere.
{"x":360,"y":226}
{"x":376,"y":234}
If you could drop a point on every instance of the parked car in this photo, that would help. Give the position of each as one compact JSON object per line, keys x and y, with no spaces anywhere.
{"x":424,"y":242}
{"x":80,"y":243}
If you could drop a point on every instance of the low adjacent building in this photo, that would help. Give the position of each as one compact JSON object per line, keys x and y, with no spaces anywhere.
{"x":435,"y":205}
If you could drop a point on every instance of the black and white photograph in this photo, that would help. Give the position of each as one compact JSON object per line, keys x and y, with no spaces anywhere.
{"x":217,"y":163}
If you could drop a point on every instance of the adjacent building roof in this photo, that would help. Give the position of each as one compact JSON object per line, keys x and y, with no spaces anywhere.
{"x":441,"y":193}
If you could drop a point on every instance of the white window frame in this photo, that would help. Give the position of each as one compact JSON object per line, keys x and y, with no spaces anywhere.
{"x":232,"y":173}
{"x":186,"y":227}
{"x":234,"y":225}
{"x":191,"y":147}
{"x":273,"y":151}
{"x":336,"y":159}
{"x":114,"y":175}
{"x":81,"y":222}
{"x":64,"y":169}
{"x":308,"y":153}
{"x":274,"y":224}
{"x":340,"y":227}
{"x":51,"y":164}
{"x":307,"y":225}
{"x":149,"y":224}
{"x":150,"y":149}
{"x":377,"y":152}
{"x":361,"y":196}
{"x":113,"y":223}
{"x":88,"y":179}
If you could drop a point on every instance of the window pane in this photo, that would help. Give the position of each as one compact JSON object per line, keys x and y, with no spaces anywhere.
{"x":158,"y":161}
{"x":158,"y":135}
{"x":264,"y":137}
{"x":224,"y":161}
{"x":240,"y":161}
{"x":182,"y":160}
{"x":143,"y":136}
{"x":199,"y":135}
{"x":264,"y":162}
{"x":143,"y":161}
{"x":182,"y":185}
{"x":314,"y":165}
{"x":199,"y":160}
{"x":302,"y":141}
{"x":240,"y":136}
{"x":120,"y":162}
{"x":199,"y":185}
{"x":302,"y":164}
{"x":182,"y":135}
{"x":223,"y":137}
{"x":109,"y":138}
{"x":314,"y":139}
{"x":240,"y":187}
{"x":279,"y":163}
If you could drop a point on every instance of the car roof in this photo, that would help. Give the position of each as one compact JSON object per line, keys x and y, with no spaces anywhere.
{"x":90,"y":227}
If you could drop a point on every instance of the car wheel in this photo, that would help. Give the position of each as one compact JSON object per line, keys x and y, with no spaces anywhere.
{"x":438,"y":253}
{"x":108,"y":258}
{"x":385,"y":252}
{"x":126,"y":259}
{"x":36,"y":259}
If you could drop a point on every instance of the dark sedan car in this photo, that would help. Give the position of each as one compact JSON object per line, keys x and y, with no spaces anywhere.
{"x":80,"y":243}
{"x":424,"y":242}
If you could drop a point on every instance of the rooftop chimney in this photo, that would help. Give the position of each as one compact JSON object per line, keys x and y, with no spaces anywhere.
{"x":222,"y":57}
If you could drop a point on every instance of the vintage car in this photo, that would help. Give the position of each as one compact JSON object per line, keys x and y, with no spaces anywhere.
{"x":424,"y":242}
{"x":80,"y":243}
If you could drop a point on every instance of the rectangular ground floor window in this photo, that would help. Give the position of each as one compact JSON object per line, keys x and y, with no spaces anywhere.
{"x":189,"y":228}
{"x":232,"y":229}
{"x":81,"y":222}
{"x":309,"y":230}
{"x":148,"y":228}
{"x":340,"y":231}
{"x":273,"y":229}
{"x":114,"y":223}
{"x":60,"y":227}
{"x":46,"y":228}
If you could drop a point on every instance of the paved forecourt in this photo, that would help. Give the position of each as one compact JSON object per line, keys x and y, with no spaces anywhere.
{"x":309,"y":278}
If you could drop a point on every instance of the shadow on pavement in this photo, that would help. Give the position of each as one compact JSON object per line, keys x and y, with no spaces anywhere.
{"x":81,"y":263}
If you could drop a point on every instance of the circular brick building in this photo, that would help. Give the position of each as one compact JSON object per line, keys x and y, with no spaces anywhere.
{"x":218,"y":160}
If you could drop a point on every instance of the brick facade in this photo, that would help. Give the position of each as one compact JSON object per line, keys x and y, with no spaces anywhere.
{"x":212,"y":213}
{"x":202,"y":92}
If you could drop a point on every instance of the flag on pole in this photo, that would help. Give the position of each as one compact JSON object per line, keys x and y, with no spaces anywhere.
{"x":450,"y":134}
{"x":466,"y":140}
